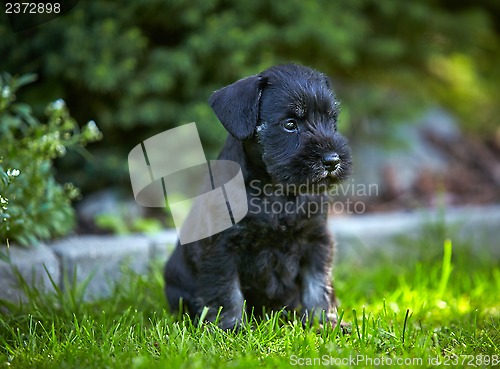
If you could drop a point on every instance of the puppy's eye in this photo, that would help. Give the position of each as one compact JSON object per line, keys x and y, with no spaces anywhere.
{"x":290,"y":125}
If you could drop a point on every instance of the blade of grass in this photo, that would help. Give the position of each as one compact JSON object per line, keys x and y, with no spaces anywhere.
{"x":202,"y":317}
{"x":445,"y":268}
{"x":404,"y":325}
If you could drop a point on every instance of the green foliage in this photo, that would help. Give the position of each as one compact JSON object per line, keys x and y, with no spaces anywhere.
{"x":33,"y":205}
{"x":121,"y":224}
{"x":142,"y":67}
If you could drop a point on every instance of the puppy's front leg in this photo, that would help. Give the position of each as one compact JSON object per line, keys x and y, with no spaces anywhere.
{"x":317,"y":296}
{"x":219,"y":286}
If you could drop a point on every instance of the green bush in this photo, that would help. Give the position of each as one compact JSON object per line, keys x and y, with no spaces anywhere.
{"x":33,"y":205}
{"x":142,"y":67}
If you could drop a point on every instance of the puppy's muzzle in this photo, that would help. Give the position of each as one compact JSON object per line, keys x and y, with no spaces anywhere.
{"x":331,"y":161}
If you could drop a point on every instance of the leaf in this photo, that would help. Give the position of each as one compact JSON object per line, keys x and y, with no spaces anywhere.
{"x":25,"y":79}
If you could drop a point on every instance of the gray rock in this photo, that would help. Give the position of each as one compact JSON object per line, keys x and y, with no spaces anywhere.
{"x":441,"y":124}
{"x":99,"y":261}
{"x":359,"y":235}
{"x":162,"y":245}
{"x":402,"y":166}
{"x":35,"y":266}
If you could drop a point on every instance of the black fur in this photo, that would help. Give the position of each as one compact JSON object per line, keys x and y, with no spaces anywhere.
{"x":282,"y":128}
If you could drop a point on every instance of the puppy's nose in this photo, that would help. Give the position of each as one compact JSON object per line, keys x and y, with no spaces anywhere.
{"x":331,"y":160}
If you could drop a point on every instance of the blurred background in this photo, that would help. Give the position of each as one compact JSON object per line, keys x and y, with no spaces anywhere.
{"x":419,"y":83}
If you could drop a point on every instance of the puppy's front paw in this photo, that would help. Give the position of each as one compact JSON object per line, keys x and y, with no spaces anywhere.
{"x":230,"y":324}
{"x":345,"y":328}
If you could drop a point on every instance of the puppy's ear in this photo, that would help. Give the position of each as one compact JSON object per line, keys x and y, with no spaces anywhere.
{"x":237,"y":106}
{"x":328,"y":81}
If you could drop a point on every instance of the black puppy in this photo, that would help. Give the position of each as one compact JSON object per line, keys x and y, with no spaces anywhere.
{"x":282,"y":128}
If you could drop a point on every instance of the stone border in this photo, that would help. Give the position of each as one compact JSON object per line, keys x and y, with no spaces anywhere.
{"x":478,"y":226}
{"x":99,"y":259}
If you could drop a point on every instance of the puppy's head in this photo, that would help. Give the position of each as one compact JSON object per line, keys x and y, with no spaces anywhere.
{"x":292,"y":112}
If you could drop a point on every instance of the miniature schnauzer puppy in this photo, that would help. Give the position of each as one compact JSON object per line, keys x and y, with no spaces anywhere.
{"x":282,"y":126}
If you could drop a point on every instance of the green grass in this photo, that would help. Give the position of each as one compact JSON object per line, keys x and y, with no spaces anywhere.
{"x":435,"y":308}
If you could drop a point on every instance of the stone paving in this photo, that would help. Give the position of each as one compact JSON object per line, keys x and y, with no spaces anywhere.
{"x":99,"y":260}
